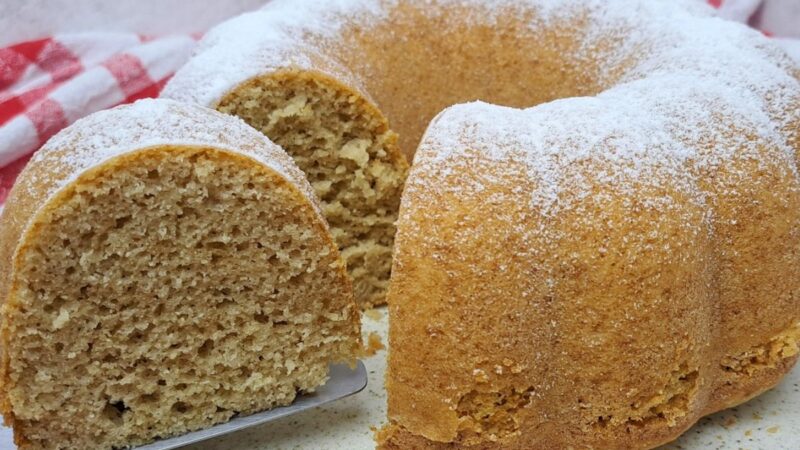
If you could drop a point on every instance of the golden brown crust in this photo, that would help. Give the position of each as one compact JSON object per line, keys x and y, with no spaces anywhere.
{"x":538,"y":377}
{"x":616,"y":323}
{"x":395,"y":437}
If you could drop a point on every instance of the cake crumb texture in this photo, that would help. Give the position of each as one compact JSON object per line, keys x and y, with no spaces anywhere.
{"x":349,"y":156}
{"x":165,"y":288}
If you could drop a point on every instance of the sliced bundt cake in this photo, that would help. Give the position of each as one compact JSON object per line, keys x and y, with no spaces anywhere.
{"x":163,"y":268}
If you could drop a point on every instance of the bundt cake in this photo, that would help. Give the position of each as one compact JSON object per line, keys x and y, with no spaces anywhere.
{"x":598,"y":270}
{"x":163,"y":267}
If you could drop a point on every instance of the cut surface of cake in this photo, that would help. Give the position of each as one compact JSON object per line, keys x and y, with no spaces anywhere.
{"x":164,"y":268}
{"x":344,"y":146}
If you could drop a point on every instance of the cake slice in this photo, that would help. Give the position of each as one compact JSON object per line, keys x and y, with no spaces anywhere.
{"x":344,"y":146}
{"x":163,"y":268}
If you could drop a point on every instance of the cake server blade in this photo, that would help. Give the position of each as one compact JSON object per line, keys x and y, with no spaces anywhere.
{"x":342,"y":382}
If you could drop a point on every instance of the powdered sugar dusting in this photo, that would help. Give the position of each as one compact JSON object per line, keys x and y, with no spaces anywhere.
{"x":149,"y":123}
{"x":631,"y":135}
{"x":282,"y":34}
{"x":685,"y":92}
{"x":705,"y":92}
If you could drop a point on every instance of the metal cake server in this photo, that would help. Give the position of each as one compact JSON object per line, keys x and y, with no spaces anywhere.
{"x":342,"y":382}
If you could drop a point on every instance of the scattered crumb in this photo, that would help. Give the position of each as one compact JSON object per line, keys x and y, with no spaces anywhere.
{"x":374,"y":344}
{"x":729,"y":422}
{"x":748,"y":433}
{"x":773,"y":430}
{"x":374,"y":314}
{"x":757,"y":416}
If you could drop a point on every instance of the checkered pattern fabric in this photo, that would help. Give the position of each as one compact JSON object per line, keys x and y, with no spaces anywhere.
{"x":47,"y":84}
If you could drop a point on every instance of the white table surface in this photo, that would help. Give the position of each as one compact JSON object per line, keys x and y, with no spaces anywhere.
{"x":768,"y":422}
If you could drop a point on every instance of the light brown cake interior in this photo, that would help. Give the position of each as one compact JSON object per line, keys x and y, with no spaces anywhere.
{"x":349,"y":156}
{"x":166,"y":291}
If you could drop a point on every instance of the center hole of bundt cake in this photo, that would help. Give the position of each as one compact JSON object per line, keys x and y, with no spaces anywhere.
{"x":420,"y":60}
{"x":408,"y":66}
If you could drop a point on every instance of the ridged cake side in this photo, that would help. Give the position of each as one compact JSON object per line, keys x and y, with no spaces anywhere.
{"x":595,"y":298}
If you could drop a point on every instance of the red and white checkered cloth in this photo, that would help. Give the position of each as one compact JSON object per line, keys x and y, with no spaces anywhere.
{"x":47,"y":84}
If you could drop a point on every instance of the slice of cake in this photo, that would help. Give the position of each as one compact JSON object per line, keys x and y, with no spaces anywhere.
{"x":164,"y":268}
{"x":343,"y":144}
